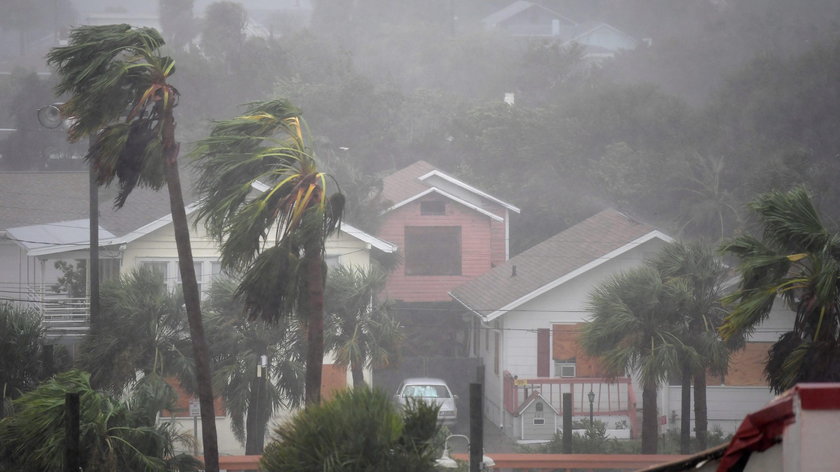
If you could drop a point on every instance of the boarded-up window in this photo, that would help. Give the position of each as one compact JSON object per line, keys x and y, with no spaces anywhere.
{"x":746,"y":367}
{"x":433,"y":250}
{"x":567,"y":351}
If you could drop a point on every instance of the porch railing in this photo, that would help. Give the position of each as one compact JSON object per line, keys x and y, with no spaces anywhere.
{"x":612,"y":397}
{"x":61,"y":315}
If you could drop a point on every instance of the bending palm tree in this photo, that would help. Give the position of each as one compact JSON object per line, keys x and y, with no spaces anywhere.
{"x":109,"y":71}
{"x":360,"y":330}
{"x":635,"y":328}
{"x":277,"y":237}
{"x":798,"y":260}
{"x":238,"y":345}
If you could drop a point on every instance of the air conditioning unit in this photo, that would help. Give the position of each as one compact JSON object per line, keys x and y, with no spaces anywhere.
{"x":567,"y":370}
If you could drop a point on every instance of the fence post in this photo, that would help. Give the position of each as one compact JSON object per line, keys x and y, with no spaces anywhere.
{"x":567,"y":423}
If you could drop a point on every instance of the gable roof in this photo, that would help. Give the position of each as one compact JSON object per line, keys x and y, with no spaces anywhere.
{"x":516,"y":8}
{"x":415,"y":181}
{"x":553,"y":262}
{"x":534,"y":396}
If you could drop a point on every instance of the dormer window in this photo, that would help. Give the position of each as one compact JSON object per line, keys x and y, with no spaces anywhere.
{"x":432,"y":207}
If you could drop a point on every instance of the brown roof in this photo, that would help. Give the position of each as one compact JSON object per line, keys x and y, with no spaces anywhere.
{"x":548,"y":261}
{"x":406,"y":183}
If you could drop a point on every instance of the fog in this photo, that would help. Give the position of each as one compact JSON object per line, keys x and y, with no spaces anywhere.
{"x":676,"y":113}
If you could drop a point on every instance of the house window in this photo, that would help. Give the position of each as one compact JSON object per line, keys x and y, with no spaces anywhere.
{"x":332,"y":260}
{"x":539,"y":421}
{"x":432,"y":207}
{"x":433,"y":250}
{"x":565,"y":368}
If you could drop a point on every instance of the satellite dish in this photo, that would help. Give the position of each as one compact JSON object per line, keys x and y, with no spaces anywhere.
{"x":50,"y":116}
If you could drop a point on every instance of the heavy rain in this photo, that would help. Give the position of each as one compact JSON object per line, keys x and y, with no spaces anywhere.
{"x":376,"y":235}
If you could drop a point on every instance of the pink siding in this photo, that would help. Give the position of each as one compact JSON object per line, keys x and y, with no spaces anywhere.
{"x":482,"y":244}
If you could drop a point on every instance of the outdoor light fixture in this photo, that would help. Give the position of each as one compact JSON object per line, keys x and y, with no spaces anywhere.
{"x":447,"y":462}
{"x":50,"y":116}
{"x":591,"y":396}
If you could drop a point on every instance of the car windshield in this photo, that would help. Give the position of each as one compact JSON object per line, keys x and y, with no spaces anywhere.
{"x":426,"y":391}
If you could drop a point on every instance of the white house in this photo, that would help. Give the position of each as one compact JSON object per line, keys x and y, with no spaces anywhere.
{"x":527,"y":312}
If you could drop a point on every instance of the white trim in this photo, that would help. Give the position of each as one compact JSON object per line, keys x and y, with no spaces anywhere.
{"x":580,"y":270}
{"x":507,"y":235}
{"x":467,"y":204}
{"x":468,"y":187}
{"x":380,"y":244}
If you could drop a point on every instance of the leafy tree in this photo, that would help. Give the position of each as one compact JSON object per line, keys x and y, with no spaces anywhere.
{"x":118,"y":92}
{"x":795,"y":260}
{"x":635,"y":328}
{"x":223,"y":31}
{"x":73,"y":280}
{"x":697,"y":267}
{"x":358,"y":430}
{"x":237,"y":346}
{"x":275,"y":238}
{"x":360,"y":330}
{"x":113,"y":435}
{"x":142,"y":334}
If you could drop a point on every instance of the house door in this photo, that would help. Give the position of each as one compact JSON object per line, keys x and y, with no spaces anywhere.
{"x":543,"y":353}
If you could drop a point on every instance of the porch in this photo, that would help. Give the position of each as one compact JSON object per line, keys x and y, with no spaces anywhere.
{"x":613,"y":400}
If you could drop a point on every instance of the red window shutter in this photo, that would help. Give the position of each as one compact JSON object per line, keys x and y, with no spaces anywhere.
{"x":543,"y":357}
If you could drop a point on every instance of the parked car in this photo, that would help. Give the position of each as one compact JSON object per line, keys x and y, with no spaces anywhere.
{"x":432,"y":391}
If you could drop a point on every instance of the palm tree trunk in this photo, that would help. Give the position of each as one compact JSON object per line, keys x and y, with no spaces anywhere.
{"x":314,"y":321}
{"x":701,"y":420}
{"x":357,"y":370}
{"x":192,"y":300}
{"x":650,"y":422}
{"x":685,"y":410}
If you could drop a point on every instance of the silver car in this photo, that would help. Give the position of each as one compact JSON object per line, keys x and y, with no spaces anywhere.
{"x":431,"y":391}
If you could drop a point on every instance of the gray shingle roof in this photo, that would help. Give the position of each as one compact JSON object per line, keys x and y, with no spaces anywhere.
{"x":549,"y":261}
{"x":33,"y":198}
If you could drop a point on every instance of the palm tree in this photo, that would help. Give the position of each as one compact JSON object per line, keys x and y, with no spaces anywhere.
{"x":275,"y":238}
{"x":696,"y":265}
{"x":119,"y":94}
{"x":360,"y":330}
{"x":635,"y":328}
{"x":797,"y":259}
{"x":252,"y":394}
{"x":142,"y":333}
{"x":113,"y":435}
{"x":358,"y":430}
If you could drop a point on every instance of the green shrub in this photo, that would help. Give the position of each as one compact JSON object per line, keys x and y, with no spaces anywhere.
{"x":359,"y":430}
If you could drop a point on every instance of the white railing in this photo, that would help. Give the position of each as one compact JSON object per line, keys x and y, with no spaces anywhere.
{"x":61,"y":315}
